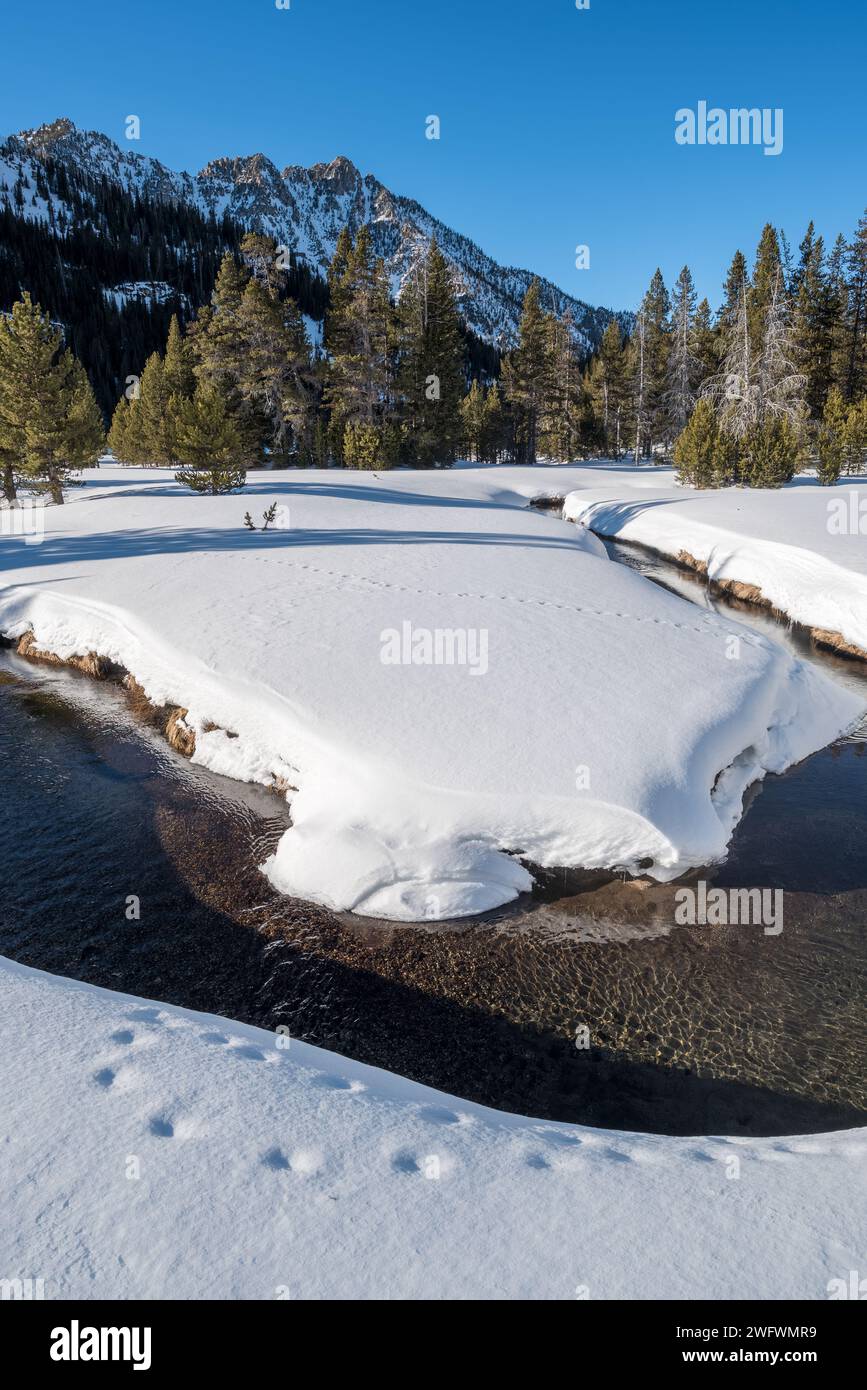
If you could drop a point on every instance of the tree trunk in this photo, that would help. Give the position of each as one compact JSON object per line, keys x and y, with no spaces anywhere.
{"x":56,"y":489}
{"x":10,"y":492}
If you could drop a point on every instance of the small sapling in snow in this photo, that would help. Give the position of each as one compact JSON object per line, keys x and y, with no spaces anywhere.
{"x":268,"y":517}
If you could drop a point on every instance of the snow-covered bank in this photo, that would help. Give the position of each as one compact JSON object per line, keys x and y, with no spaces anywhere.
{"x":586,"y":717}
{"x":804,"y":547}
{"x":153,"y":1152}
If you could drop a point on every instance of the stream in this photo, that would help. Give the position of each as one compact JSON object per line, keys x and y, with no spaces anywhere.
{"x":128,"y":867}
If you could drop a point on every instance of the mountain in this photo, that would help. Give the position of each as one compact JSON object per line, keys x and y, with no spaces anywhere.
{"x":112,"y":243}
{"x":303,"y":209}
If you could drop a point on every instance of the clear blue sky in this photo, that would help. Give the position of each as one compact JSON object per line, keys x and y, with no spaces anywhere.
{"x":557,"y":124}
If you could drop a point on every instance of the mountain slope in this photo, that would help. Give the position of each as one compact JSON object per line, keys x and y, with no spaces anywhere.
{"x":51,"y":174}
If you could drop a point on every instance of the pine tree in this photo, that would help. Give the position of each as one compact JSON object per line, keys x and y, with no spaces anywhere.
{"x":655,"y":309}
{"x":493,"y":440}
{"x":149,"y":434}
{"x":767,"y":282}
{"x":609,"y":388}
{"x":734,"y":389}
{"x":816,"y":321}
{"x":638,"y":362}
{"x":118,"y":434}
{"x":855,"y":351}
{"x":704,"y":454}
{"x":50,"y":424}
{"x":214,"y":337}
{"x":684,"y":368}
{"x":831,"y":444}
{"x":855,"y":437}
{"x":210,"y":444}
{"x":525,"y":373}
{"x":359,"y":340}
{"x":736,"y":281}
{"x":473,"y":421}
{"x":772,"y":451}
{"x":562,"y":406}
{"x":705,"y":343}
{"x":275,"y":378}
{"x":431,"y":376}
{"x":178,"y":362}
{"x":780,"y":383}
{"x":647,"y":357}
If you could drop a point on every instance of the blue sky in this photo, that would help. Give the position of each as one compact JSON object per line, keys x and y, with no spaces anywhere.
{"x":557,"y":125}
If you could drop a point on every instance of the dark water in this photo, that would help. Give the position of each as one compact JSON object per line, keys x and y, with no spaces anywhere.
{"x":692,"y":1030}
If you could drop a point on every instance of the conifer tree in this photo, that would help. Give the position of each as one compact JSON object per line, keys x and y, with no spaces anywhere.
{"x":210,"y":444}
{"x":855,"y":437}
{"x":561,"y":411}
{"x":656,"y":308}
{"x":431,"y":376}
{"x":854,"y":382}
{"x":771,"y":452}
{"x":831,"y":444}
{"x":50,"y":424}
{"x":149,"y":432}
{"x":473,"y":421}
{"x":816,"y":321}
{"x":359,"y":340}
{"x":767,"y":282}
{"x":178,"y":363}
{"x":275,"y":378}
{"x":705,"y":342}
{"x":119,"y":432}
{"x":780,"y":383}
{"x":525,"y":374}
{"x":703,"y":453}
{"x":493,"y":426}
{"x":684,"y":368}
{"x":609,"y":388}
{"x":735,"y":281}
{"x":734,"y":389}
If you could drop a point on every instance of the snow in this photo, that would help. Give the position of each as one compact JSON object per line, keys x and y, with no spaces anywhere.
{"x":132,"y":291}
{"x":802,"y":545}
{"x":153,"y":1152}
{"x":596,"y":721}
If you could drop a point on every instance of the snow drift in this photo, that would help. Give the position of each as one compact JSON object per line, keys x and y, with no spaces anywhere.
{"x":613,"y":724}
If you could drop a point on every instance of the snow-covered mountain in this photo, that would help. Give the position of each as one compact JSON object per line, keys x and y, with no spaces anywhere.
{"x":304,"y":209}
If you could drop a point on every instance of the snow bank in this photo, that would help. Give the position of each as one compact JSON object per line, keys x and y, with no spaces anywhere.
{"x":153,"y":1152}
{"x":804,"y":546}
{"x":452,"y":682}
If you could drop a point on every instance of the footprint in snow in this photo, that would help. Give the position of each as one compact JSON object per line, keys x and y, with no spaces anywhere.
{"x":104,"y":1078}
{"x":338,"y":1083}
{"x":123,"y":1035}
{"x":405,"y":1162}
{"x":302,"y":1161}
{"x":440,"y":1115}
{"x":275,"y":1158}
{"x":218,"y":1039}
{"x":161,"y":1127}
{"x":537,"y":1161}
